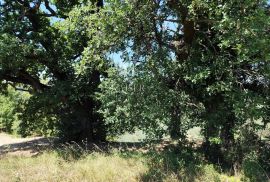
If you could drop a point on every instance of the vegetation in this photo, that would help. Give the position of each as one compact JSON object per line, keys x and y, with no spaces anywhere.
{"x":95,"y":70}
{"x":51,"y":167}
{"x":46,"y":65}
{"x":116,"y":166}
{"x":75,"y":163}
{"x":8,"y":111}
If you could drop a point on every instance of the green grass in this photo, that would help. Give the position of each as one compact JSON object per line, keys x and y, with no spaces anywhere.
{"x":62,"y":165}
{"x":51,"y":167}
{"x":159,"y":162}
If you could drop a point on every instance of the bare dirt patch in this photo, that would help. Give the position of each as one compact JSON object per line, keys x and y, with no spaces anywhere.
{"x":10,"y":145}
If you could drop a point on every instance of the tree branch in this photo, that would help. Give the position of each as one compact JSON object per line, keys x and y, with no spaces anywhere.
{"x":47,"y":5}
{"x":25,"y":78}
{"x":19,"y":88}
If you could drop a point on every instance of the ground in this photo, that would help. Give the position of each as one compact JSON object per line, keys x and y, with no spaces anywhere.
{"x":11,"y":145}
{"x":34,"y":159}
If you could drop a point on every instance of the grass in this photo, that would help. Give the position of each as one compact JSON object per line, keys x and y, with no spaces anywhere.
{"x":166,"y":162}
{"x":51,"y":167}
{"x":116,"y":165}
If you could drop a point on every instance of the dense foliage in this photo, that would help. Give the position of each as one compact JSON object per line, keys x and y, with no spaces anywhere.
{"x":9,"y":110}
{"x":183,"y":63}
{"x":42,"y":56}
{"x":194,"y":63}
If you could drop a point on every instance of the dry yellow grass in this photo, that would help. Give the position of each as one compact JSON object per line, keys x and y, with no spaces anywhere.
{"x":50,"y":167}
{"x":73,"y":163}
{"x":61,"y":166}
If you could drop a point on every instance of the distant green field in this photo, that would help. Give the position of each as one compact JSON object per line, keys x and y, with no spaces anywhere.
{"x":193,"y":134}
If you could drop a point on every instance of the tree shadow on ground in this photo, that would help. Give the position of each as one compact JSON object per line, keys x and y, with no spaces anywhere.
{"x":180,"y":163}
{"x":168,"y":161}
{"x":77,"y":150}
{"x":29,"y":148}
{"x":163,"y":159}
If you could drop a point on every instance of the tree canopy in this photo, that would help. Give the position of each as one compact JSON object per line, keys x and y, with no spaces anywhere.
{"x":42,"y":56}
{"x":184,"y":63}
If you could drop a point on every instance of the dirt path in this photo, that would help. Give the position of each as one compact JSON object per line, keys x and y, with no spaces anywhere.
{"x":10,"y":145}
{"x":6,"y":139}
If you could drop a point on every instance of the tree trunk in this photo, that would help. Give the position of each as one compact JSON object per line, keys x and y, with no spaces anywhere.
{"x":212,"y":150}
{"x":175,"y":124}
{"x":228,"y":143}
{"x":226,"y":133}
{"x":81,"y":123}
{"x":220,"y":122}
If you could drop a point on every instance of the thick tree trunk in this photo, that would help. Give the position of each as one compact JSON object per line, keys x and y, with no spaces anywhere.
{"x":211,"y":149}
{"x":220,"y":126}
{"x":81,"y":123}
{"x":91,"y":126}
{"x":226,"y":134}
{"x":231,"y":157}
{"x":85,"y":124}
{"x":175,"y":124}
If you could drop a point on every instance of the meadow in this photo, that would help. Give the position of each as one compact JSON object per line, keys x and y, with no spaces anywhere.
{"x":118,"y":162}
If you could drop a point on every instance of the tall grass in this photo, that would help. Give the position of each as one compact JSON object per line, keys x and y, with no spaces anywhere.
{"x":51,"y":167}
{"x":63,"y":165}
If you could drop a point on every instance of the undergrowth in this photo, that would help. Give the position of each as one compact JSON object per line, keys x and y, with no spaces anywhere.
{"x":75,"y":163}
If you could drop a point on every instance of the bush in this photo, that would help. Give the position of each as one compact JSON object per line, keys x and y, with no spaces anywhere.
{"x":10,"y":104}
{"x":253,"y":170}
